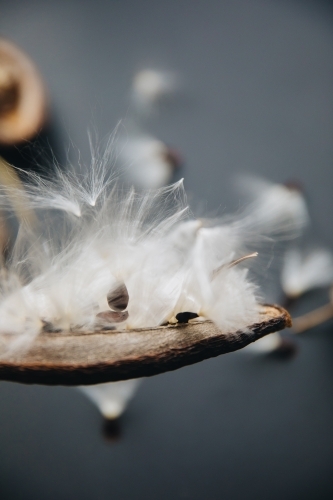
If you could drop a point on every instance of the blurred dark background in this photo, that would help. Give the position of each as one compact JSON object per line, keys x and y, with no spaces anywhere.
{"x":257,"y":97}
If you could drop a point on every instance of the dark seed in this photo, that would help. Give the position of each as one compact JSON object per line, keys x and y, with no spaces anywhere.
{"x":287,"y":349}
{"x":294,"y":185}
{"x":112,"y":429}
{"x":118,"y":297}
{"x":48,"y":327}
{"x":110,"y":317}
{"x":185,"y":316}
{"x":173,"y":158}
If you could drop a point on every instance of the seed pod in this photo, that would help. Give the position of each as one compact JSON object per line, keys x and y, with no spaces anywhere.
{"x":183,"y":317}
{"x":118,"y":297}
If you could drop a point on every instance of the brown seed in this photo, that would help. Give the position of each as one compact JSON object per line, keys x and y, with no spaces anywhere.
{"x":112,"y":429}
{"x":294,"y":185}
{"x":118,"y":297}
{"x":48,"y":327}
{"x":286,"y":350}
{"x":110,"y":317}
{"x":173,"y":158}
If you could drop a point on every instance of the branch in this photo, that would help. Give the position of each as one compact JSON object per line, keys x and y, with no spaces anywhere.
{"x":313,"y":318}
{"x":84,"y":359}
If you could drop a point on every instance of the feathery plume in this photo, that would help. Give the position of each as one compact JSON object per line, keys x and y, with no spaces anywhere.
{"x":103,"y":256}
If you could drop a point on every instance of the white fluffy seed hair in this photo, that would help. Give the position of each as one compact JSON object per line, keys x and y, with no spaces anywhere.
{"x":80,"y":235}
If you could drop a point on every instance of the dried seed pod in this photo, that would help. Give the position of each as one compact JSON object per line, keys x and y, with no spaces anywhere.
{"x":69,"y":359}
{"x":22,"y":96}
{"x":118,"y":297}
{"x":184,"y":317}
{"x":106,"y":318}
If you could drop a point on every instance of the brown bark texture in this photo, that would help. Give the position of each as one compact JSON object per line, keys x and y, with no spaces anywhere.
{"x":108,"y":356}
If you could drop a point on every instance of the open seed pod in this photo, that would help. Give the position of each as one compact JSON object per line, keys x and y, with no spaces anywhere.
{"x":22,"y":96}
{"x":108,"y":356}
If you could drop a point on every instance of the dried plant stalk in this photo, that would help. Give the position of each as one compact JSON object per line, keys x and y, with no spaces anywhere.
{"x":84,"y":359}
{"x":313,"y":318}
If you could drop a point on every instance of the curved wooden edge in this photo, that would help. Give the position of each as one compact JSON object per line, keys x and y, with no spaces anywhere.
{"x":84,"y":359}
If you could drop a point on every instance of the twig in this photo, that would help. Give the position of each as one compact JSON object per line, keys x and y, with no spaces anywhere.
{"x":313,"y":318}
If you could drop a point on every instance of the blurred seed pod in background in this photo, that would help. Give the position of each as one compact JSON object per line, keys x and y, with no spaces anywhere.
{"x":22,"y":96}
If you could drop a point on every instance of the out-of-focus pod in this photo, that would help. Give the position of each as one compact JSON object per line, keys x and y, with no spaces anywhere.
{"x":22,"y":96}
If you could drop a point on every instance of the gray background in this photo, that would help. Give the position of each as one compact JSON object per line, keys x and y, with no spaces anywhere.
{"x":257,"y":97}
